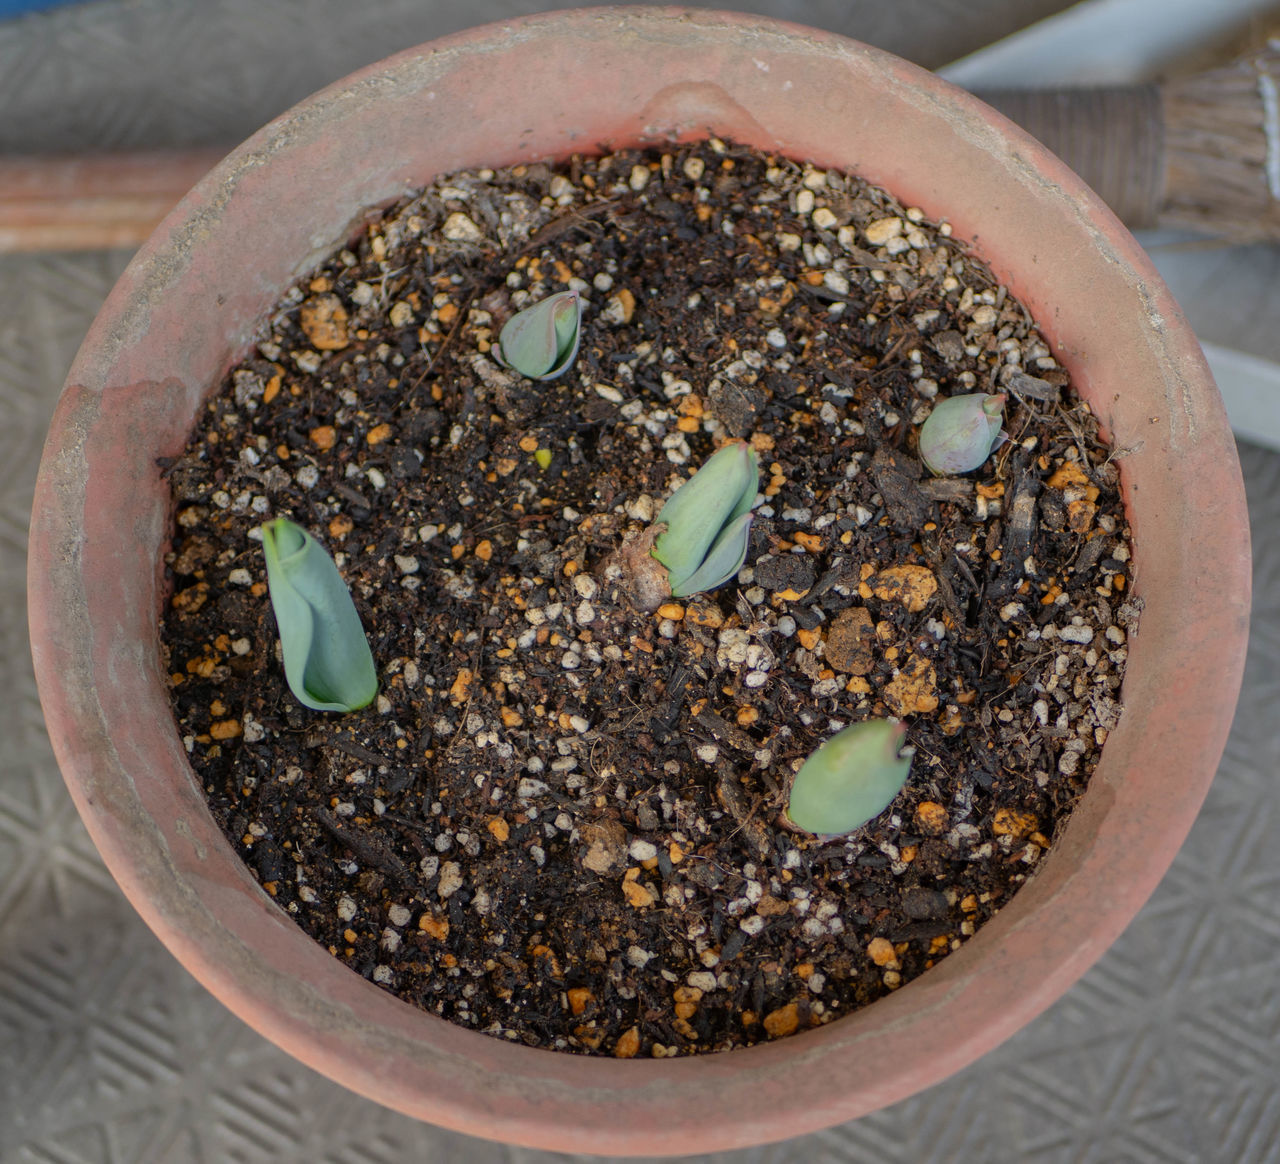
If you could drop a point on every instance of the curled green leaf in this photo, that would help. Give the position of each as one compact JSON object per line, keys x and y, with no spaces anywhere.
{"x":850,"y":779}
{"x":708,"y":522}
{"x":327,"y":661}
{"x":541,"y":341}
{"x":961,"y":432}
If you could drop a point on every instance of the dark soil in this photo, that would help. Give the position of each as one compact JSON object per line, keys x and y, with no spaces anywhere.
{"x":560,"y":821}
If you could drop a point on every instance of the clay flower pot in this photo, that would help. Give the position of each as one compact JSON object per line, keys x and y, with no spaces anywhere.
{"x":550,"y":85}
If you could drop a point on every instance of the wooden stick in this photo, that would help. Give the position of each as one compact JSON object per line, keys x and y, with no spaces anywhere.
{"x":1202,"y":151}
{"x":89,"y":202}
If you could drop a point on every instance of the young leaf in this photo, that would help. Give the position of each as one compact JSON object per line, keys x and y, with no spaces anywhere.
{"x":961,"y":431}
{"x":541,"y":341}
{"x":702,"y":519}
{"x":722,"y":562}
{"x":327,"y":661}
{"x":850,"y":779}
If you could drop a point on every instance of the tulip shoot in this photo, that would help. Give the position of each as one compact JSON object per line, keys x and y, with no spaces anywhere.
{"x":327,"y":661}
{"x":541,"y":341}
{"x":850,"y":779}
{"x":961,"y":432}
{"x":708,"y":522}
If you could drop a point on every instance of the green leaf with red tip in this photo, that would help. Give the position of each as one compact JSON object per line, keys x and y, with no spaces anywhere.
{"x":850,"y":779}
{"x":961,"y":432}
{"x":541,"y":341}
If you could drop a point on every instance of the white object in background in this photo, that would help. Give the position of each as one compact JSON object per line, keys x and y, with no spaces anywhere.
{"x":1117,"y":42}
{"x":1103,"y":42}
{"x":1250,"y":389}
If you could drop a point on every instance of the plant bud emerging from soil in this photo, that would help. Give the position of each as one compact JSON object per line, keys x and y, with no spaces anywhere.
{"x":850,"y":779}
{"x":708,"y":522}
{"x":327,"y":661}
{"x":699,"y":540}
{"x":961,"y":432}
{"x":541,"y":341}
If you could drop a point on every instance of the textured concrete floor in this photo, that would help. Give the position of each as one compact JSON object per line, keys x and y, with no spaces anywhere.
{"x":1166,"y":1051}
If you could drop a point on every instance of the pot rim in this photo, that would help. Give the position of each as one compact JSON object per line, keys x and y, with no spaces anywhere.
{"x":95,"y":658}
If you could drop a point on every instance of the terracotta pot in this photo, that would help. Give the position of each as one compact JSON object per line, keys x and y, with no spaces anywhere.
{"x":545,"y":86}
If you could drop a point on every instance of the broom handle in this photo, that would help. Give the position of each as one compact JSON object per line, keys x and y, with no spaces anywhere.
{"x":1112,"y":137}
{"x":89,"y":202}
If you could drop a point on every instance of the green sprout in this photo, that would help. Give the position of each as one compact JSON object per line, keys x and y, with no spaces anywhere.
{"x":327,"y":661}
{"x":541,"y":341}
{"x":708,"y":522}
{"x":961,"y":432}
{"x":850,"y":779}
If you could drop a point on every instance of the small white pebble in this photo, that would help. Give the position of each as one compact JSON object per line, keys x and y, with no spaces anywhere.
{"x":451,"y":879}
{"x":642,"y":850}
{"x":882,"y":230}
{"x":984,"y":317}
{"x":459,"y":228}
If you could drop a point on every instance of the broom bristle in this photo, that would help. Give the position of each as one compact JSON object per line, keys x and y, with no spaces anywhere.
{"x":1222,"y":149}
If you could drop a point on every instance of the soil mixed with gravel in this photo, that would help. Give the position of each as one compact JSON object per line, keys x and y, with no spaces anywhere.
{"x":559,"y":822}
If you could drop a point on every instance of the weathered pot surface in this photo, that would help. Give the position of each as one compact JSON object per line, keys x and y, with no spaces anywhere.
{"x":550,"y":85}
